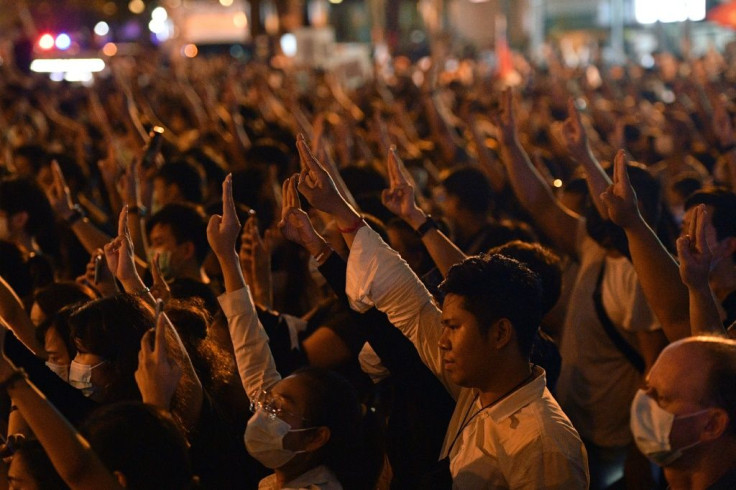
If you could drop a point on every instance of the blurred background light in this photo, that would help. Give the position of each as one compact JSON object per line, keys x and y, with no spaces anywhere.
{"x":102,"y":28}
{"x":46,"y":42}
{"x":63,"y":41}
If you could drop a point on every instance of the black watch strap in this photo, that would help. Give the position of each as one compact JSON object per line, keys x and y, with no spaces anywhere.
{"x":424,"y":228}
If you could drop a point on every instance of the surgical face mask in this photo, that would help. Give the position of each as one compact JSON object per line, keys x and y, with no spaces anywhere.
{"x":164,"y":262}
{"x":61,"y":370}
{"x":651,"y":426}
{"x":80,"y":377}
{"x":264,"y":439}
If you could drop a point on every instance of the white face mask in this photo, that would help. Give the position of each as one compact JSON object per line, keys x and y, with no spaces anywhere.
{"x":61,"y":370}
{"x":80,"y":377}
{"x":164,"y":262}
{"x":264,"y":439}
{"x":652,"y":425}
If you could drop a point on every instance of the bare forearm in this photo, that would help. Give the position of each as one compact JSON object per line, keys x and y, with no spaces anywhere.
{"x":659,"y":277}
{"x":705,"y":318}
{"x":597,"y":179}
{"x":444,"y":253}
{"x":71,"y":455}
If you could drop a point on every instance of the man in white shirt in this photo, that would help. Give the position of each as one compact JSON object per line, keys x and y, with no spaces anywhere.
{"x":507,"y":431}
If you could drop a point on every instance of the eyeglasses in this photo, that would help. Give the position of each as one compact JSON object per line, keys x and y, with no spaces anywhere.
{"x":271,"y":404}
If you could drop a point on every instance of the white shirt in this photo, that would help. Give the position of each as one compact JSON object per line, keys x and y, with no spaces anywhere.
{"x":319,"y":478}
{"x":525,"y":441}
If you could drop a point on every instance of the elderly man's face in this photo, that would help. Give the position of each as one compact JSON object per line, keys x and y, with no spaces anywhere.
{"x":677,"y":383}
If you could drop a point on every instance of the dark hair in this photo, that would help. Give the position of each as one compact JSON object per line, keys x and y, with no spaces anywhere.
{"x":495,"y":287}
{"x":57,"y":295}
{"x":22,"y":194}
{"x":540,"y":260}
{"x":60,"y":323}
{"x":143,"y":443}
{"x":352,"y":453}
{"x":112,"y":328}
{"x":39,"y":465}
{"x":187,"y":224}
{"x":35,"y":155}
{"x":472,"y":188}
{"x":723,"y":202}
{"x":14,"y":269}
{"x":187,"y":177}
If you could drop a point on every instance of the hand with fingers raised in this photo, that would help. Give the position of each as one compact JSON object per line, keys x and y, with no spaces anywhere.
{"x":315,"y":182}
{"x":119,"y":254}
{"x":158,"y":375}
{"x":255,"y":260}
{"x":59,"y":194}
{"x":295,"y":224}
{"x":223,"y":230}
{"x":694,"y":250}
{"x":506,"y":120}
{"x":98,"y":276}
{"x":620,"y":198}
{"x":574,"y":134}
{"x":399,"y":197}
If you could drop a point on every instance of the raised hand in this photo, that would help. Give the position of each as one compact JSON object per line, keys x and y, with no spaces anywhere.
{"x":59,"y":194}
{"x":694,"y":249}
{"x":97,"y":275}
{"x":157,"y":375}
{"x":506,"y":120}
{"x":223,"y":230}
{"x":399,"y":197}
{"x":722,"y":125}
{"x":295,"y":224}
{"x":255,"y":260}
{"x":314,"y":181}
{"x":620,"y":198}
{"x":119,"y":252}
{"x":573,"y":132}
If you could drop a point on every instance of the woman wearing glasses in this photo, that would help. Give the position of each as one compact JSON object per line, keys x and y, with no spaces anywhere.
{"x":306,"y":427}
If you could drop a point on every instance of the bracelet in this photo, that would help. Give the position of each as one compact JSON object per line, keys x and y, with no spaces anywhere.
{"x":139,"y":210}
{"x":142,"y":292}
{"x":76,"y":215}
{"x":326,"y":250}
{"x":424,"y":228}
{"x":17,"y":375}
{"x":359,"y":223}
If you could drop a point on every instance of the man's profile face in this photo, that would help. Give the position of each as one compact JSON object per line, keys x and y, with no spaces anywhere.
{"x":466,"y":353}
{"x":678,"y":389}
{"x":162,"y":240}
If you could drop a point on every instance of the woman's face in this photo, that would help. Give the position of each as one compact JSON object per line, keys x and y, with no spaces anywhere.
{"x":55,"y":347}
{"x":291,"y":396}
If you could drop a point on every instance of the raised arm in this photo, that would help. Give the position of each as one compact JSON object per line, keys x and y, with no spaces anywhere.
{"x":399,"y":199}
{"x":576,"y":140}
{"x":255,"y":363}
{"x":656,"y":269}
{"x":11,"y":310}
{"x":72,"y":457}
{"x":557,"y":222}
{"x":695,"y":256}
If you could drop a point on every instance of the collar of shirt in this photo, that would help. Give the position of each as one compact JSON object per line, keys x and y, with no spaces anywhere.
{"x":520,"y":398}
{"x":316,"y":478}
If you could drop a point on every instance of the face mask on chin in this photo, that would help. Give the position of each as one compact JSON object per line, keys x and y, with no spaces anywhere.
{"x":164,"y":262}
{"x":264,"y":439}
{"x":651,"y":426}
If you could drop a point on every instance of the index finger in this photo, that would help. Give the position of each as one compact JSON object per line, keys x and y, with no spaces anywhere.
{"x":123,"y":222}
{"x":573,"y":112}
{"x":391,"y":168}
{"x":620,"y":174}
{"x":699,"y":220}
{"x":308,"y":158}
{"x":228,"y":203}
{"x":58,"y":174}
{"x":159,"y":346}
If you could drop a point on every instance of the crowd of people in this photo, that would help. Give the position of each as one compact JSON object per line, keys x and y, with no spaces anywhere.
{"x":245,"y":275}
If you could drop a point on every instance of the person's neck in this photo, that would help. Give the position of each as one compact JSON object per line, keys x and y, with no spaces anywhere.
{"x":191,"y":271}
{"x":723,"y":279}
{"x":703,"y":470}
{"x":514,"y":374}
{"x":293,"y":469}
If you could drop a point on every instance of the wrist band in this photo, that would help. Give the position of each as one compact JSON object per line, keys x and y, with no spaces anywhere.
{"x":326,"y":250}
{"x":424,"y":228}
{"x":355,"y":227}
{"x":17,"y":375}
{"x":142,"y":292}
{"x":139,"y":210}
{"x":76,"y":215}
